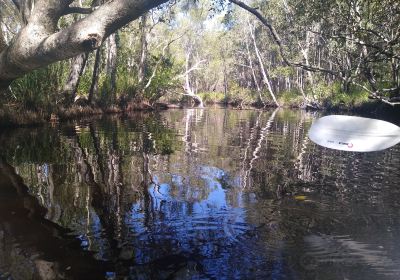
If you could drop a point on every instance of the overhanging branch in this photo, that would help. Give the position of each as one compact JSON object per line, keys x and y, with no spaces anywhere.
{"x":78,"y":10}
{"x":37,"y":45}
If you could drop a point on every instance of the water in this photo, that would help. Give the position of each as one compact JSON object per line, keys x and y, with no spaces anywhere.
{"x":195,"y":194}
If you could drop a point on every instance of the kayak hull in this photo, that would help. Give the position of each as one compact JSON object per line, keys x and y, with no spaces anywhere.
{"x":356,"y":134}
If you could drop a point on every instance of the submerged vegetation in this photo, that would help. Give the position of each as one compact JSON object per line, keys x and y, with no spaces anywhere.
{"x":324,"y":54}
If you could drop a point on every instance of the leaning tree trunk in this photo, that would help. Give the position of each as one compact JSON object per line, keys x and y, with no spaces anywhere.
{"x":262,"y":68}
{"x":70,"y":88}
{"x":253,"y":72}
{"x":40,"y":43}
{"x":188,"y":88}
{"x":94,"y":87}
{"x":77,"y":68}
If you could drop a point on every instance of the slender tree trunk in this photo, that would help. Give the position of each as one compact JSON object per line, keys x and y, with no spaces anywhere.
{"x":70,"y":88}
{"x":225,"y":83}
{"x":395,"y":74}
{"x":188,"y":88}
{"x":78,"y":64}
{"x":143,"y":49}
{"x":305,"y":52}
{"x":94,"y":87}
{"x":112,"y":52}
{"x":263,"y":71}
{"x":253,"y":72}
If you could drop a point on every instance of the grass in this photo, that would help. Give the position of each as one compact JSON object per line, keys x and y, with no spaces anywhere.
{"x":290,"y":98}
{"x":335,"y":97}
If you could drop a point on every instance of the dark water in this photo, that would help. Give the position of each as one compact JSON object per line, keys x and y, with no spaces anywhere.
{"x":195,"y":194}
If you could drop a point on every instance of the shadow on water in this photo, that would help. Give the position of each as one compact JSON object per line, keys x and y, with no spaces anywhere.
{"x":33,"y":247}
{"x":195,"y":194}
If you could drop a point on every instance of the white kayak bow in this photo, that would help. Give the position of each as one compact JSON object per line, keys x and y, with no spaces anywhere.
{"x":355,"y":134}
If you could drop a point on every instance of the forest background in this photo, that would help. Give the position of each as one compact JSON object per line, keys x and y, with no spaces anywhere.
{"x":315,"y":54}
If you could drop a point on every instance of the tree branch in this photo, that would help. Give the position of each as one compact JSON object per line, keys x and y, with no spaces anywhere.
{"x":193,"y":68}
{"x":37,"y":45}
{"x":278,"y":41}
{"x":160,"y":60}
{"x":78,"y":10}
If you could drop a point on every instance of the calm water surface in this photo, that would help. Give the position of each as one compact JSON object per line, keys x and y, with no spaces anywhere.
{"x":195,"y":194}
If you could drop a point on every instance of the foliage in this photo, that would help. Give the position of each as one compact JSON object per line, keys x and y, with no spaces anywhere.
{"x":291,"y":98}
{"x":212,"y":97}
{"x":215,"y":38}
{"x":239,"y":95}
{"x":354,"y":97}
{"x":38,"y":90}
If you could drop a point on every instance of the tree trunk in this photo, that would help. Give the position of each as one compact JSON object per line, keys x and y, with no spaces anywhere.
{"x":188,"y":88}
{"x":225,"y":83}
{"x":24,"y":8}
{"x":262,"y":68}
{"x":305,"y":51}
{"x":94,"y":87}
{"x":70,"y":88}
{"x":77,"y":67}
{"x":111,"y":67}
{"x":39,"y":43}
{"x":143,"y":49}
{"x":3,"y":43}
{"x":253,"y":72}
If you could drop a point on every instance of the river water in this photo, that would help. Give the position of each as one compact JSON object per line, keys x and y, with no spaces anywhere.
{"x":195,"y":194}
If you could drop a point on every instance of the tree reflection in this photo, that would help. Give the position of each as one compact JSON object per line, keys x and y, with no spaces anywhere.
{"x":190,"y":193}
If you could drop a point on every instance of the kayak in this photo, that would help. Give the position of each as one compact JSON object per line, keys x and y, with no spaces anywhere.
{"x":356,"y":134}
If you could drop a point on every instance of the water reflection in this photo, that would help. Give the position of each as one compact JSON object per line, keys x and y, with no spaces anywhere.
{"x":195,"y":194}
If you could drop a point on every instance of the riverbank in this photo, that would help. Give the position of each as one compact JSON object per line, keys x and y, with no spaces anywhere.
{"x":12,"y":115}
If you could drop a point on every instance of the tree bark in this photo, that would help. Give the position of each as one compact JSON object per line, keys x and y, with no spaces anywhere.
{"x":24,"y":8}
{"x":188,"y":88}
{"x":3,"y":43}
{"x":143,"y":50}
{"x":94,"y":87}
{"x":253,"y":72}
{"x":262,"y":68}
{"x":70,"y":88}
{"x":77,"y":67}
{"x":112,"y":52}
{"x":38,"y":44}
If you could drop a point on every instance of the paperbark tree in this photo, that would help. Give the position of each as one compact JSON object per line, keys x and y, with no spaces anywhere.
{"x":94,"y":87}
{"x":111,"y":66}
{"x":40,"y":43}
{"x":143,"y":49}
{"x":266,"y":80}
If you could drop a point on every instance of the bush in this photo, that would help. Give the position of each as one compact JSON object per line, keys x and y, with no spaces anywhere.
{"x":38,"y":89}
{"x":238,"y":95}
{"x":212,"y":97}
{"x":290,"y":98}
